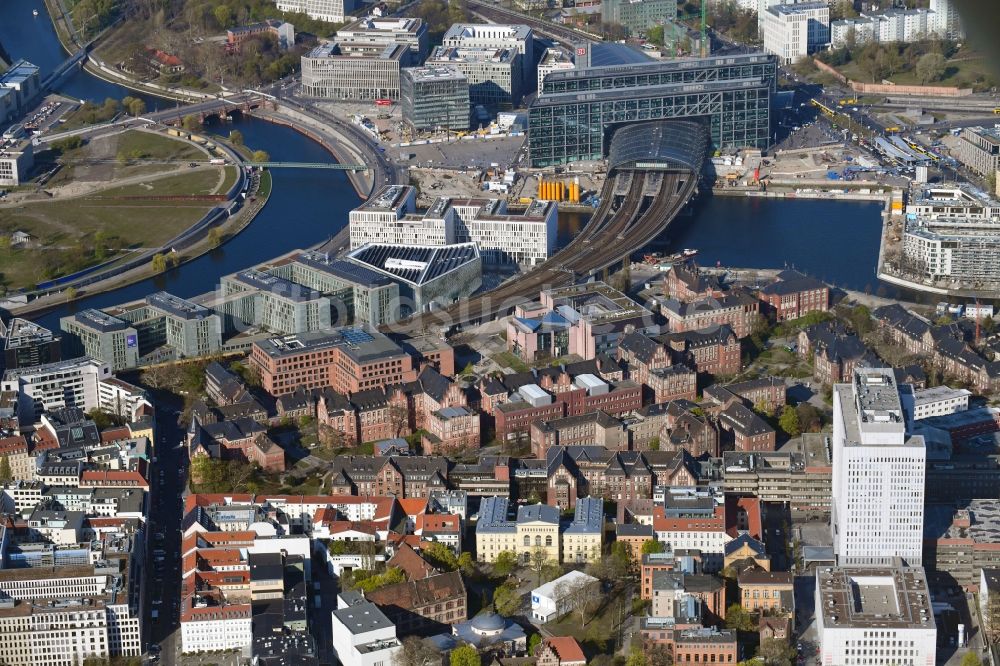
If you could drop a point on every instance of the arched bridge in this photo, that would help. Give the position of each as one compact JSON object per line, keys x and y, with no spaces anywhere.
{"x":653,"y":173}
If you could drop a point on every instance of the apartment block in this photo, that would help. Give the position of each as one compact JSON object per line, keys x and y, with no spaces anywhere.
{"x":793,"y":31}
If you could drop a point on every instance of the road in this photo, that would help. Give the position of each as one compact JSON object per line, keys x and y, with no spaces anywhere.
{"x":168,"y":479}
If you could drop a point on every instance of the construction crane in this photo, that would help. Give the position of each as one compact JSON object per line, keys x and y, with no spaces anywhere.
{"x":670,"y":41}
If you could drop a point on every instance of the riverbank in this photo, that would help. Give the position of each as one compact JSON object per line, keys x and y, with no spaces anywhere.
{"x":227,"y":231}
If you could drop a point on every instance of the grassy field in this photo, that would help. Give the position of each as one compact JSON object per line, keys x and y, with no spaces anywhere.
{"x":111,"y":158}
{"x":965,"y":70}
{"x":231,"y":174}
{"x":506,"y":359}
{"x":71,"y":234}
{"x":202,"y":181}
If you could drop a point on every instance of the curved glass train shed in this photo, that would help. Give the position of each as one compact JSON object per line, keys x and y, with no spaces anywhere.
{"x":659,"y":145}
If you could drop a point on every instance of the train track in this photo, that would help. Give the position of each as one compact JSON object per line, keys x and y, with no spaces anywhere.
{"x":566,"y":36}
{"x":620,"y":226}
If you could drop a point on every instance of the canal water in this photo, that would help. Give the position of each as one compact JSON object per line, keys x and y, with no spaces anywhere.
{"x":832,"y":240}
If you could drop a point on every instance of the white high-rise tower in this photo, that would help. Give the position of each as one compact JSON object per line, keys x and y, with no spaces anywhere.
{"x":878,"y":474}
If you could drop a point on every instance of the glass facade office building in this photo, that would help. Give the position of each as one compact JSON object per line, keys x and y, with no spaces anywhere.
{"x":581,"y":108}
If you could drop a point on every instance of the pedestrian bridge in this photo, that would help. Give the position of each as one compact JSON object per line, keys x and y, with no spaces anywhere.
{"x":658,"y":145}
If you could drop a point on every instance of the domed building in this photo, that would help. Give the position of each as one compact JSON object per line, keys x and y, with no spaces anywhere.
{"x":487,"y":632}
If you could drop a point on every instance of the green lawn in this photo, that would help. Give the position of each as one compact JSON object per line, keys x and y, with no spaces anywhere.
{"x":194,"y":182}
{"x":964,"y":71}
{"x":231,"y":175}
{"x":507,"y":360}
{"x":157,"y":146}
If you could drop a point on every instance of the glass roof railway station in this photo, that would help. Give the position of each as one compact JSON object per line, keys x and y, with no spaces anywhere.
{"x":581,"y":109}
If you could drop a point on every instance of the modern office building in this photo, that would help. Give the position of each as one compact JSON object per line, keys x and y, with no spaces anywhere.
{"x":573,"y":120}
{"x":357,"y":294}
{"x":554,"y":59}
{"x":435,"y":97}
{"x":102,"y":336}
{"x":878,"y":474}
{"x":347,"y":360}
{"x":24,"y":82}
{"x":794,"y":31}
{"x":517,"y":38}
{"x":361,"y":634}
{"x":254,"y":298}
{"x":171,"y":327}
{"x":494,"y":74}
{"x":979,"y":149}
{"x":428,"y":276}
{"x":25,"y":344}
{"x":875,"y":616}
{"x":637,"y":16}
{"x":376,"y":31}
{"x":356,"y":72}
{"x":388,"y":218}
{"x":331,"y":11}
{"x":17,"y":157}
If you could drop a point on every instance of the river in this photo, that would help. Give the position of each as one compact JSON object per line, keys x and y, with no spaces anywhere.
{"x":306,"y":205}
{"x":833,"y":240}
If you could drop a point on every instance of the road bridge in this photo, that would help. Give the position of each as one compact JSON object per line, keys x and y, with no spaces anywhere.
{"x":653,"y":172}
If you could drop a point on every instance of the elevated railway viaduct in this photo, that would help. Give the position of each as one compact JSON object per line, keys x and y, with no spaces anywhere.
{"x":653,"y":173}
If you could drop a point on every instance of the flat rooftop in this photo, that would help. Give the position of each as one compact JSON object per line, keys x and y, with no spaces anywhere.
{"x":461,"y":31}
{"x":344,"y":270}
{"x":433,"y":73}
{"x":360,"y":343}
{"x":372,"y":24}
{"x":276,"y":286}
{"x":177,"y":306}
{"x":390,"y":197}
{"x":978,"y":520}
{"x":875,"y":598}
{"x":100,"y":321}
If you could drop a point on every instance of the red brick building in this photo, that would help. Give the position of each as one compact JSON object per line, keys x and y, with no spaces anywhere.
{"x":347,"y":360}
{"x":450,"y":430}
{"x":677,"y":382}
{"x":748,"y":431}
{"x":737,"y":309}
{"x":239,"y":439}
{"x":714,"y":350}
{"x":794,"y":295}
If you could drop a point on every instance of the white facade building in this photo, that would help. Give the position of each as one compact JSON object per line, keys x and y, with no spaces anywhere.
{"x":875,"y":617}
{"x":555,"y":598}
{"x":70,"y":383}
{"x":936,"y":401}
{"x":516,"y":38}
{"x":227,"y":629}
{"x":900,"y":25}
{"x":794,"y":31}
{"x":553,"y":60}
{"x":332,"y":11}
{"x":375,"y":31}
{"x":878,"y":474}
{"x":388,"y":217}
{"x":361,"y":635}
{"x":353,"y":71}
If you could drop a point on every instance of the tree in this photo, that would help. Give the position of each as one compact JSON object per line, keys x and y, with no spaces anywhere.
{"x":655,"y":35}
{"x":537,"y":560}
{"x":930,"y":67}
{"x":260,"y":156}
{"x":652,"y":547}
{"x":654,"y":444}
{"x":738,"y":619}
{"x":466,"y":564}
{"x":236,"y":138}
{"x":971,"y":659}
{"x":440,"y":555}
{"x":658,"y":654}
{"x":809,"y":417}
{"x":505,"y":563}
{"x":191,"y":123}
{"x":214,"y":237}
{"x":6,"y":473}
{"x":159,"y":263}
{"x":534,"y":641}
{"x":399,"y":417}
{"x":391,"y":576}
{"x":416,"y":652}
{"x":134,"y":106}
{"x":506,"y":600}
{"x":224,"y":16}
{"x":466,"y":655}
{"x":789,"y":421}
{"x":776,"y":652}
{"x":636,"y":658}
{"x":71,"y":293}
